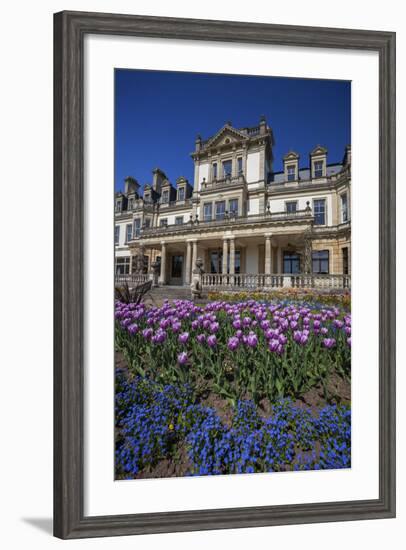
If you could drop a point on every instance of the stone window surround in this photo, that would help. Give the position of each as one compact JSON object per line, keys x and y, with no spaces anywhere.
{"x":294,"y":201}
{"x":226,"y":200}
{"x":320,"y":260}
{"x":124,"y":262}
{"x":136,"y":227}
{"x":128,"y":232}
{"x":341,"y":195}
{"x":325,"y":210}
{"x":182,"y":187}
{"x":319,"y":158}
{"x":223,"y":160}
{"x":232,"y":156}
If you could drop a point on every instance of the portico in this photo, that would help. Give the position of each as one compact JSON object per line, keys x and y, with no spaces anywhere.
{"x":236,"y":253}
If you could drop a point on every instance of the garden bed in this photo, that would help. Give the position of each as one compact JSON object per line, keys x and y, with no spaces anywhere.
{"x":231,"y":388}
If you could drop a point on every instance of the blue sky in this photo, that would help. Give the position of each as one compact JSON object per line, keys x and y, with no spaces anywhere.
{"x":158,"y":115}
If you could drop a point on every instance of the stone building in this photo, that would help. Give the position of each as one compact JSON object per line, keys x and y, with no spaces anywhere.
{"x":240,"y":217}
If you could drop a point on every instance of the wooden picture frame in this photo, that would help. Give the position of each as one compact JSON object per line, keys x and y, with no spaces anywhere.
{"x":70,"y":29}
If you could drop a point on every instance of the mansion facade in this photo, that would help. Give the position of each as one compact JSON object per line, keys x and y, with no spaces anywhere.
{"x":242,"y":219}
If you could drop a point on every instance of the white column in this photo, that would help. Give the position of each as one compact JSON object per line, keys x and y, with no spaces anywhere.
{"x":232,"y":256}
{"x":194,"y":254}
{"x":225,"y":253}
{"x":268,"y":250}
{"x":188,"y":262}
{"x":162,"y":277}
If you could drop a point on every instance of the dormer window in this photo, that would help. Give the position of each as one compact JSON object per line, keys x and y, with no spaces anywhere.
{"x":318,"y":169}
{"x":181,"y":194}
{"x":147,"y":197}
{"x":118,"y":205}
{"x":291,"y":166}
{"x":291,"y":172}
{"x":165,"y":196}
{"x":130,"y":204}
{"x":227,"y":166}
{"x":318,"y":162}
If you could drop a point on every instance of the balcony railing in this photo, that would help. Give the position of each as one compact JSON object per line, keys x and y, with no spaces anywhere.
{"x":184,"y":202}
{"x":252,"y":281}
{"x":230,"y":220}
{"x":223,"y":182}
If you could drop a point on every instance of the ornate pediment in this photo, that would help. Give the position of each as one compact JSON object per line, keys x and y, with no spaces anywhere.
{"x":227,"y":135}
{"x":318,"y":150}
{"x":291,"y":155}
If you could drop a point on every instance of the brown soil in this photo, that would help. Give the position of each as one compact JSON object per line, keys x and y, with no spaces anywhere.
{"x":120,"y":363}
{"x":221,"y":406}
{"x":178,"y":467}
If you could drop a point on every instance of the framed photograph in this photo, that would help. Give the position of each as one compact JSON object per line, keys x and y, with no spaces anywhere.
{"x":224,"y":294}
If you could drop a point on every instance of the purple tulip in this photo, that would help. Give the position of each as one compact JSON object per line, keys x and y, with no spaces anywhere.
{"x":159,"y":337}
{"x":183,"y":338}
{"x":233,"y":343}
{"x":301,"y":337}
{"x":273,"y":344}
{"x":182,"y":358}
{"x":324,"y":330}
{"x":195,"y":324}
{"x":201,"y":338}
{"x":176,"y":326}
{"x":265,"y":324}
{"x":132,"y":329}
{"x":147,"y":333}
{"x":212,"y":341}
{"x":282,"y":339}
{"x":214,"y":327}
{"x":237,"y":324}
{"x":252,"y":340}
{"x":329,"y":343}
{"x":349,"y":341}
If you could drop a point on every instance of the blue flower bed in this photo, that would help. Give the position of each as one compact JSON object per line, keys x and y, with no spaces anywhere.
{"x":154,"y":422}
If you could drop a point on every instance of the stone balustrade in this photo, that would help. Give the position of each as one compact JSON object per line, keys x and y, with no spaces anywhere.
{"x":251,"y":281}
{"x":132,"y":279}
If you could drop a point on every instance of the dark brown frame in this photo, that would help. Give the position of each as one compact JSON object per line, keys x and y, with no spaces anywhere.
{"x":70,"y":29}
